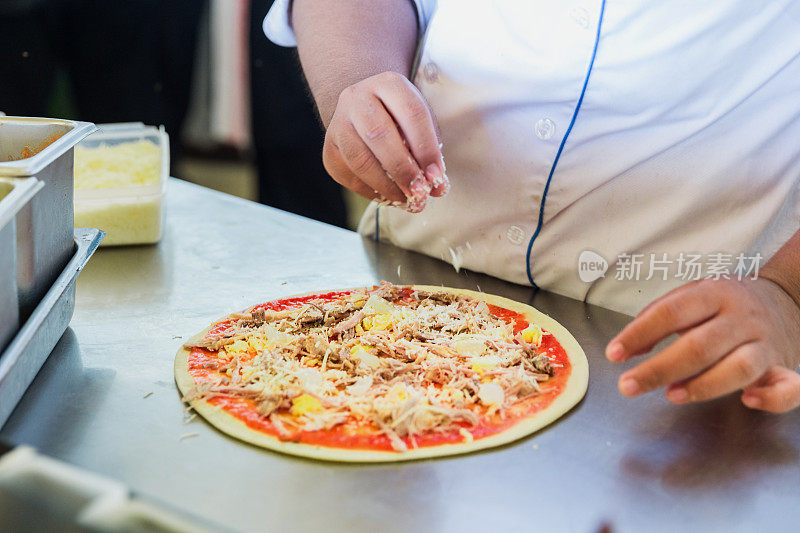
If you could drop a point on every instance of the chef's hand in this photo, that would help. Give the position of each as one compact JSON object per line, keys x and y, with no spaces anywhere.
{"x":383,"y":143}
{"x":734,"y":335}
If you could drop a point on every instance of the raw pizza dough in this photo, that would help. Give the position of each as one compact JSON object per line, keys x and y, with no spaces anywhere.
{"x":564,"y":402}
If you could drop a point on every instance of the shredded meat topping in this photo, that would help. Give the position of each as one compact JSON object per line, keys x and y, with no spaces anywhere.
{"x":405,"y":362}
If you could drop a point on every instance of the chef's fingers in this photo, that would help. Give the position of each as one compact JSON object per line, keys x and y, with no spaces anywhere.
{"x":777,"y":391}
{"x":410,"y":111}
{"x":735,"y":371}
{"x":337,"y":167}
{"x":697,"y":350}
{"x":678,"y":310}
{"x":379,"y":132}
{"x":349,"y":180}
{"x":361,"y":162}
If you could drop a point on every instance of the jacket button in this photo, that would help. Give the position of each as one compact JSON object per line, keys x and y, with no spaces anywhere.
{"x":580,"y":15}
{"x":545,"y":128}
{"x":431,"y":72}
{"x":515,"y":235}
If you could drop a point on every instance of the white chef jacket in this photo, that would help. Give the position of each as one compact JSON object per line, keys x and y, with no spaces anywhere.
{"x":622,"y":127}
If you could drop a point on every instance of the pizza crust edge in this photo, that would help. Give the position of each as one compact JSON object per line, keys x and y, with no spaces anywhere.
{"x":572,"y":394}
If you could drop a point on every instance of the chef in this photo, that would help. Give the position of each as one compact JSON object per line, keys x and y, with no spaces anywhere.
{"x":597,"y":149}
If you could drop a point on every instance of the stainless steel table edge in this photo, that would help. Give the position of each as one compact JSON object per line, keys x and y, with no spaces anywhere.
{"x":612,"y":464}
{"x":32,"y":345}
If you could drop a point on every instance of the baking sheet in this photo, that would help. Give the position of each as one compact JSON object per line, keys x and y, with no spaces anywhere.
{"x":106,"y":401}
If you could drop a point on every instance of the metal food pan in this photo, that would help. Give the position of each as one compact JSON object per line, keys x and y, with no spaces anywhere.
{"x":14,"y":195}
{"x":32,"y":345}
{"x":44,"y":227}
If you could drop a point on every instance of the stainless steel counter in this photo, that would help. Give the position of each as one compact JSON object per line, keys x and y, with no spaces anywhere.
{"x":628,"y":465}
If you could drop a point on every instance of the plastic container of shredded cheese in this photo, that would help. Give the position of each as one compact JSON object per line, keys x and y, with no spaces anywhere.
{"x":120,"y":182}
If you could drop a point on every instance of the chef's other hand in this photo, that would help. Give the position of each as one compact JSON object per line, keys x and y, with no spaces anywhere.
{"x":383,"y":143}
{"x":734,"y":335}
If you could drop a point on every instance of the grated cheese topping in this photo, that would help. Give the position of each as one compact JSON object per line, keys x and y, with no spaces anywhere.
{"x":402,"y":364}
{"x":126,"y":164}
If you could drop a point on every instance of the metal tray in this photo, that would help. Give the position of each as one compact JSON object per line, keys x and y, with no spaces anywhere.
{"x":14,"y":195}
{"x":44,"y":228}
{"x":23,"y":358}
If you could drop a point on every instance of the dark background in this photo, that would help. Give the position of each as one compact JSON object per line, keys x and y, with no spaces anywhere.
{"x":108,"y":61}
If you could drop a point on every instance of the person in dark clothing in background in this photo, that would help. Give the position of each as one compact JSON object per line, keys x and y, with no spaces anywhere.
{"x":132,"y":60}
{"x":287,"y":135}
{"x":125,"y":60}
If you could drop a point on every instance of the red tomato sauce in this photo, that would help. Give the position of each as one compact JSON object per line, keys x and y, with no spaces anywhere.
{"x":298,"y":301}
{"x":279,"y":305}
{"x":202,"y":366}
{"x":509,"y":316}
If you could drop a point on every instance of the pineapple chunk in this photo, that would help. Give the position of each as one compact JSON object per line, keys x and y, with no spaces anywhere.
{"x":257,"y":344}
{"x":240,"y":346}
{"x":491,"y":394}
{"x":359,"y":353}
{"x":532,"y":334}
{"x":377,"y":322}
{"x":482,"y":364}
{"x":248,"y":373}
{"x":397,"y":393}
{"x":469,"y":345}
{"x":376,"y":306}
{"x":275,"y":338}
{"x":358,"y":348}
{"x":305,"y":403}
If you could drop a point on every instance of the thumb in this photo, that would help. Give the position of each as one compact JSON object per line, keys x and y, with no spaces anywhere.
{"x":777,"y":391}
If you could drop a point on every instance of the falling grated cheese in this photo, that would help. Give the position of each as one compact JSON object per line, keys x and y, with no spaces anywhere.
{"x":456,"y":259}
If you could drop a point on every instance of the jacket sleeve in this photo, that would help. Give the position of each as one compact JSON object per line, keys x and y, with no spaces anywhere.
{"x":278,"y":27}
